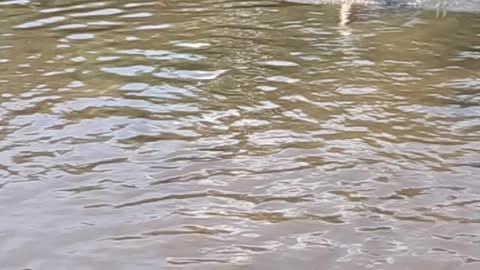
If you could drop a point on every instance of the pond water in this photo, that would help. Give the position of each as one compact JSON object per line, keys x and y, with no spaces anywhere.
{"x":238,"y":135}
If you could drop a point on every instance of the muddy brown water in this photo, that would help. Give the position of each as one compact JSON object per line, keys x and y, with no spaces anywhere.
{"x":237,"y":135}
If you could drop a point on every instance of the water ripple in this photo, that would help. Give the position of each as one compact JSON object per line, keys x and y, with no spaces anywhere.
{"x":221,"y":134}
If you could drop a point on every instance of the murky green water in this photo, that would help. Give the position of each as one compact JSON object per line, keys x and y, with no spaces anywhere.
{"x":237,"y":135}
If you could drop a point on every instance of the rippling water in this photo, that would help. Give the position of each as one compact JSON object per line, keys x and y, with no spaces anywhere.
{"x":237,"y":135}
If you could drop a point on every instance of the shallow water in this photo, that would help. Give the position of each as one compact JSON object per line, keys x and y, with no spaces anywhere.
{"x":237,"y":135}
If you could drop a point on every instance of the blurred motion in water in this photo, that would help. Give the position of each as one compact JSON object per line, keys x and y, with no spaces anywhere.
{"x":219,"y":134}
{"x":472,"y":6}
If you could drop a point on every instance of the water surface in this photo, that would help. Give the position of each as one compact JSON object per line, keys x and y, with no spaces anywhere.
{"x":237,"y":135}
